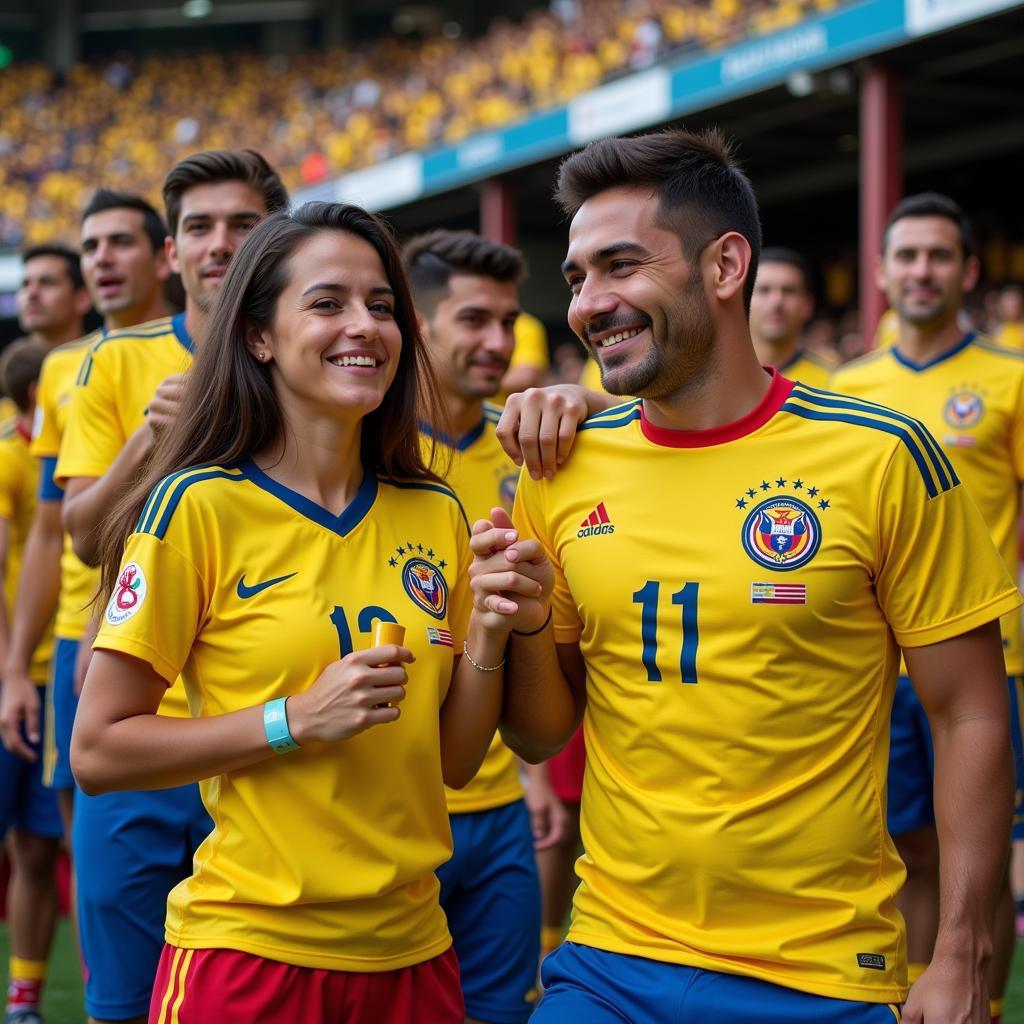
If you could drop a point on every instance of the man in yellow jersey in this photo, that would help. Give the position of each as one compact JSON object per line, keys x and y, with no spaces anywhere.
{"x":127,"y":388}
{"x":27,"y":807}
{"x":970,"y":395}
{"x":466,"y":290}
{"x":51,"y":301}
{"x":781,"y":305}
{"x":124,"y":269}
{"x":737,"y":560}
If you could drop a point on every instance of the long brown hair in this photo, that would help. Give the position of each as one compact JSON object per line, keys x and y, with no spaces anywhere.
{"x":229,"y":410}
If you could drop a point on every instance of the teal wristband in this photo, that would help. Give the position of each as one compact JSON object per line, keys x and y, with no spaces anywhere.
{"x":275,"y":725}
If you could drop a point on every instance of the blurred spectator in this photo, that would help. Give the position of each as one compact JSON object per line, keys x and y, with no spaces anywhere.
{"x":1010,"y":314}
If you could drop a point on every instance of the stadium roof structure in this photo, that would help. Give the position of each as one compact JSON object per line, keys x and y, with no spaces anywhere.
{"x":61,"y":31}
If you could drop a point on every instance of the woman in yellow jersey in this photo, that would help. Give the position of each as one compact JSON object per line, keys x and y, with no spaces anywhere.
{"x":286,"y":515}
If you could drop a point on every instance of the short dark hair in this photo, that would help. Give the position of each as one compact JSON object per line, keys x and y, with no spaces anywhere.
{"x":932,"y":204}
{"x":702,"y":193}
{"x":20,"y":364}
{"x":433,"y":259}
{"x":780,"y":254}
{"x":215,"y":165}
{"x":63,"y":252}
{"x":152,"y":223}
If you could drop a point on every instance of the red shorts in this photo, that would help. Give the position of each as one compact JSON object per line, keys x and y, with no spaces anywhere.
{"x":565,"y":770}
{"x":198,"y":986}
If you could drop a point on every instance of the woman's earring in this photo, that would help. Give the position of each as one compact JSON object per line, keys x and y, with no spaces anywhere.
{"x":262,"y":356}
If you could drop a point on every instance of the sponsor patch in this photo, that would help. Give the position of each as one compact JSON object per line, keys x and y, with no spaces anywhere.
{"x":873,"y":961}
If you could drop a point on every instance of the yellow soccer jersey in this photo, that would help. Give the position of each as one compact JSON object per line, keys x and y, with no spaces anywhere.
{"x":19,"y":481}
{"x":1010,"y":335}
{"x":8,"y":410}
{"x":115,"y":384}
{"x":78,"y":582}
{"x":326,"y":857}
{"x":739,"y":596}
{"x":483,"y":477}
{"x":808,"y":368}
{"x":972,"y":400}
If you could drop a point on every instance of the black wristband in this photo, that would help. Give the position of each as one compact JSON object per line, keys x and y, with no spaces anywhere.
{"x":539,"y":629}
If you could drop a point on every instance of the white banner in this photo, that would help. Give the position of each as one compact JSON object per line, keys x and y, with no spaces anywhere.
{"x":391,"y":183}
{"x":931,"y":15}
{"x":635,"y":102}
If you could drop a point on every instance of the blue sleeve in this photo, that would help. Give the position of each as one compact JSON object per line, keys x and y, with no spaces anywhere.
{"x":49,"y":489}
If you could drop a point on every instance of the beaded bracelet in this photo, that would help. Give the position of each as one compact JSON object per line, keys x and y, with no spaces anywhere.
{"x":476,"y":664}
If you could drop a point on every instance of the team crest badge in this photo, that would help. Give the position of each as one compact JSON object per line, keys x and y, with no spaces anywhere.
{"x":964,"y":410}
{"x":129,"y":594}
{"x":507,"y":491}
{"x":425,"y":584}
{"x":781,"y":533}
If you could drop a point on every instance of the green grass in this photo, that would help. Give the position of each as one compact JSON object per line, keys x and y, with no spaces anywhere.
{"x":62,"y":1003}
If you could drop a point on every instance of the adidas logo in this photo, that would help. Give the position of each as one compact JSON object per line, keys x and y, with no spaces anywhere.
{"x":597,"y":522}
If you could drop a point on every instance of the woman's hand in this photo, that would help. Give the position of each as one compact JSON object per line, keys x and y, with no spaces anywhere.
{"x":350,"y":696}
{"x":511,"y":578}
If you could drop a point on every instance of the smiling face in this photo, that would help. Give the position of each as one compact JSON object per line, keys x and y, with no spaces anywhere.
{"x":120,"y":267}
{"x":780,"y":304}
{"x":213,"y":221}
{"x":334,"y":341}
{"x":472,"y":334}
{"x":923,"y":271}
{"x":637,"y":302}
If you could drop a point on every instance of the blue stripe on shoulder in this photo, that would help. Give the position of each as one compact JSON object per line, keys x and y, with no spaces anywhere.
{"x":886,"y":426}
{"x":999,"y":350}
{"x":427,"y":485}
{"x":626,"y":414}
{"x":830,"y":399}
{"x":180,"y":482}
{"x":615,"y":410}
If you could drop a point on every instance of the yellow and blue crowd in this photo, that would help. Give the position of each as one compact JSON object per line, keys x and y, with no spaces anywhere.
{"x":172,"y":875}
{"x":325,"y":112}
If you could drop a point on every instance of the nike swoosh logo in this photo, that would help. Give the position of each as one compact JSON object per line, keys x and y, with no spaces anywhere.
{"x":245,"y":592}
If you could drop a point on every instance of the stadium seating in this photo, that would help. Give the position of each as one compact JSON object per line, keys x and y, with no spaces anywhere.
{"x":320,"y":114}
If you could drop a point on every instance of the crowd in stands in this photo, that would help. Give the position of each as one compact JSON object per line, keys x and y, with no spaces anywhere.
{"x":319,"y":114}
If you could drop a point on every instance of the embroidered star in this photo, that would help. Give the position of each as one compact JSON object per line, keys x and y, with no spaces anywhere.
{"x":797,"y":485}
{"x":392,"y":561}
{"x":765,"y":486}
{"x":441,"y":564}
{"x":401,"y":551}
{"x":780,"y":482}
{"x":741,"y":503}
{"x":419,"y":548}
{"x":812,"y":491}
{"x":430,"y":552}
{"x":751,"y":493}
{"x":409,"y":544}
{"x":823,"y":504}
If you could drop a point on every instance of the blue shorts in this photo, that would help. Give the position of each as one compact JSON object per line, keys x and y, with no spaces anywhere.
{"x":491,"y":894}
{"x":62,"y":704}
{"x":586,"y":984}
{"x":25,"y":803}
{"x":131,"y":849}
{"x":912,"y":761}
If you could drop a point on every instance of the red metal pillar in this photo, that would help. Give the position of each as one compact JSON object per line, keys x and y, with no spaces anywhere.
{"x":498,"y":211}
{"x":881,"y":181}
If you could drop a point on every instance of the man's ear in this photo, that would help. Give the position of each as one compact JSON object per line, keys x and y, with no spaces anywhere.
{"x":732,"y":255}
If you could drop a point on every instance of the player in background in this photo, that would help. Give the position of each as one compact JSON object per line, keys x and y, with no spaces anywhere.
{"x":735,"y":669}
{"x":1010,"y":314}
{"x":315,"y":897}
{"x":530,"y":362}
{"x":127,"y":390}
{"x":970,"y":395}
{"x":466,"y":291}
{"x":124,"y":268}
{"x":51,"y":301}
{"x":780,"y":307}
{"x":27,"y":808}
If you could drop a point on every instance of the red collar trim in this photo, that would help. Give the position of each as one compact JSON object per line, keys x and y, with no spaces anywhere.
{"x":25,"y":433}
{"x":777,"y":393}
